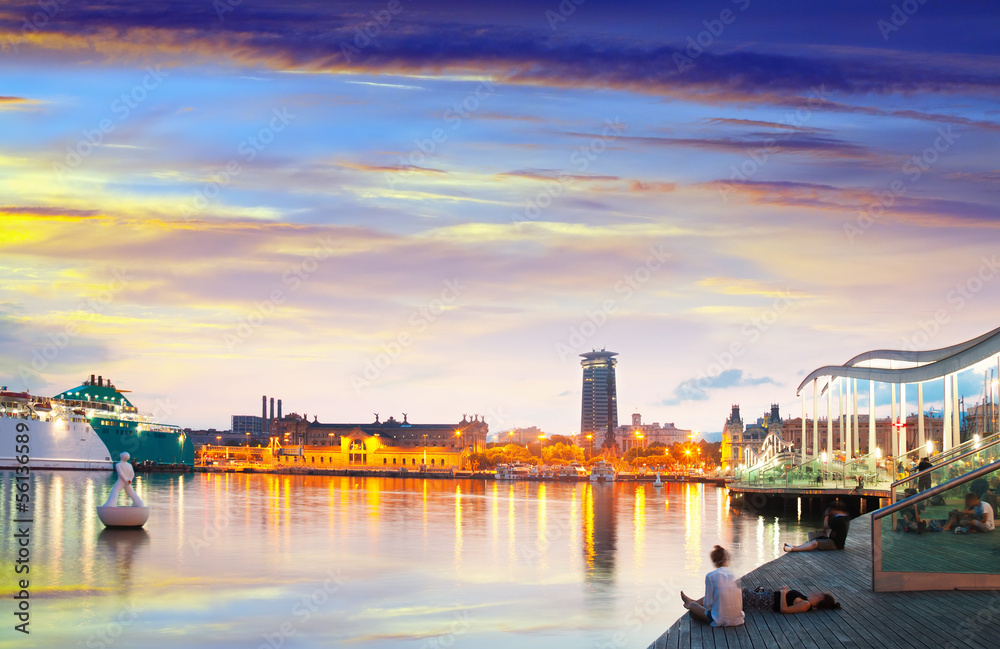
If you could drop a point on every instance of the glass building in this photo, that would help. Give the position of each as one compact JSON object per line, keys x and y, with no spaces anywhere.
{"x":600,"y":394}
{"x":243,"y":424}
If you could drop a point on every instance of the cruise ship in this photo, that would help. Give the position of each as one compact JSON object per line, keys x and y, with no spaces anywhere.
{"x":87,"y":427}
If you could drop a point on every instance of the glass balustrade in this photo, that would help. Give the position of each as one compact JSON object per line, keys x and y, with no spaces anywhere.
{"x":914,"y":543}
{"x":974,"y":456}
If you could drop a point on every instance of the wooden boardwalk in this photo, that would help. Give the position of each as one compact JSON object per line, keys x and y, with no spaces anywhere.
{"x":941,"y":619}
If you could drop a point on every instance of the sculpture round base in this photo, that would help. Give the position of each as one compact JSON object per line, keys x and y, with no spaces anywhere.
{"x":123,"y":516}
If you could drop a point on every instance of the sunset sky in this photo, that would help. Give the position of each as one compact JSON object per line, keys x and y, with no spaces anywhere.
{"x":435,"y":207}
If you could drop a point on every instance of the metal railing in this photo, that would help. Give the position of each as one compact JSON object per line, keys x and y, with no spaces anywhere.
{"x":987,"y":450}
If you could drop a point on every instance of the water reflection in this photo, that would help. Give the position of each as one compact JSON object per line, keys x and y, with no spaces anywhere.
{"x":121,"y":548}
{"x":228,"y":557}
{"x":602,"y":537}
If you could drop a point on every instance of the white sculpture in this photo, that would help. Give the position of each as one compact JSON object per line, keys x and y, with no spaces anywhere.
{"x":114,"y":516}
{"x":125,"y":476}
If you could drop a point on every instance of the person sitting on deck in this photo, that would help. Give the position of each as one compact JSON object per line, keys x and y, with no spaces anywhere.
{"x":839,"y":525}
{"x":722,"y":604}
{"x":977,"y":517}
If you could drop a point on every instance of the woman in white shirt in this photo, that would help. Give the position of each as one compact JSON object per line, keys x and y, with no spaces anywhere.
{"x":723,"y":601}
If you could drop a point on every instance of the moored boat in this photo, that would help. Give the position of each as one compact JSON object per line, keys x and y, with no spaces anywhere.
{"x":602,"y":471}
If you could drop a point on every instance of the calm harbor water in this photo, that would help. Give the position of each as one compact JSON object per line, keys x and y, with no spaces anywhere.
{"x":233,"y":560}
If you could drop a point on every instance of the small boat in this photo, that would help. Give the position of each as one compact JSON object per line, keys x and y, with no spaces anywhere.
{"x":602,"y":471}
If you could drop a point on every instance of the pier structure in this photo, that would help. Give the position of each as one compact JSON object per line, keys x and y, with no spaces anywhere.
{"x":954,"y":618}
{"x":845,"y":458}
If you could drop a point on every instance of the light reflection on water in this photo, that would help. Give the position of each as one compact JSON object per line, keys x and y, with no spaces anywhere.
{"x":234,"y":560}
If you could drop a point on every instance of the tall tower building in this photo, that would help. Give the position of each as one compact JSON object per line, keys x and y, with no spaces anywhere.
{"x":600,"y":395}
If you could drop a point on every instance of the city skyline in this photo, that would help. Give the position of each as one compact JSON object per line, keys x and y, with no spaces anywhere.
{"x":385,"y":207}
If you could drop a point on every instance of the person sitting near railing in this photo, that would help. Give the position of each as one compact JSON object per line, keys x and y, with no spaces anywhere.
{"x":976,"y":517}
{"x":839,"y":525}
{"x":909,"y":518}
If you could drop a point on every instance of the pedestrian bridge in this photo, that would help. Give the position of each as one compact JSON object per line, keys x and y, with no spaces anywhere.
{"x":857,"y":465}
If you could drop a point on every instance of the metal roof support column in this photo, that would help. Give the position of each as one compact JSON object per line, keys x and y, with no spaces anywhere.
{"x":815,"y":421}
{"x":893,"y":450}
{"x":856,"y":435}
{"x":849,"y":438}
{"x":829,"y":416}
{"x":946,"y":417}
{"x":902,"y":419}
{"x":803,"y":428}
{"x":921,"y":436}
{"x":840,"y":412}
{"x":956,"y":422}
{"x":871,"y":424}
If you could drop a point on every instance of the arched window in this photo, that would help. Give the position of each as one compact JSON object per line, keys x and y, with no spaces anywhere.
{"x":393,"y":460}
{"x":432,"y":461}
{"x":385,"y":460}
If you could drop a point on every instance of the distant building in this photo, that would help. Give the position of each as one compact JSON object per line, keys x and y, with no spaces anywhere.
{"x":736,"y":438}
{"x":643,"y":435}
{"x":243,"y":424}
{"x":522,"y":436}
{"x":600,"y":395}
{"x":468,"y":434}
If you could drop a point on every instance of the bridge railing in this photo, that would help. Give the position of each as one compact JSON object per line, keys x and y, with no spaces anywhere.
{"x":819,"y":473}
{"x":973,"y":456}
{"x":914,"y":455}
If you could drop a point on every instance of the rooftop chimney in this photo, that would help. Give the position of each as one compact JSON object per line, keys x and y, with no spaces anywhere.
{"x":100,"y":380}
{"x":263,"y":414}
{"x":93,"y":379}
{"x":279,"y":408}
{"x":272,"y":413}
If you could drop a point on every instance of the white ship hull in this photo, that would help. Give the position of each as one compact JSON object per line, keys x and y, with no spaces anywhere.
{"x":53,"y":445}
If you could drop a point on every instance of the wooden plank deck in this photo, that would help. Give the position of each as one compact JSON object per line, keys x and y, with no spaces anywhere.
{"x":944,"y":619}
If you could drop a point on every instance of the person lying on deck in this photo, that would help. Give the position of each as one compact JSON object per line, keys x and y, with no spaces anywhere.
{"x":839,"y":525}
{"x":977,"y":516}
{"x":785,"y":600}
{"x":722,"y":604}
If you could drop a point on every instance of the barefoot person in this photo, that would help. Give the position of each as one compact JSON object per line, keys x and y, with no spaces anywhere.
{"x":839,"y":525}
{"x":722,"y":604}
{"x":786,"y":600}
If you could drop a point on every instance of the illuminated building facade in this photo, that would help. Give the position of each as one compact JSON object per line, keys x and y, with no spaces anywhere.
{"x":600,"y":395}
{"x":643,"y":435}
{"x":468,"y":435}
